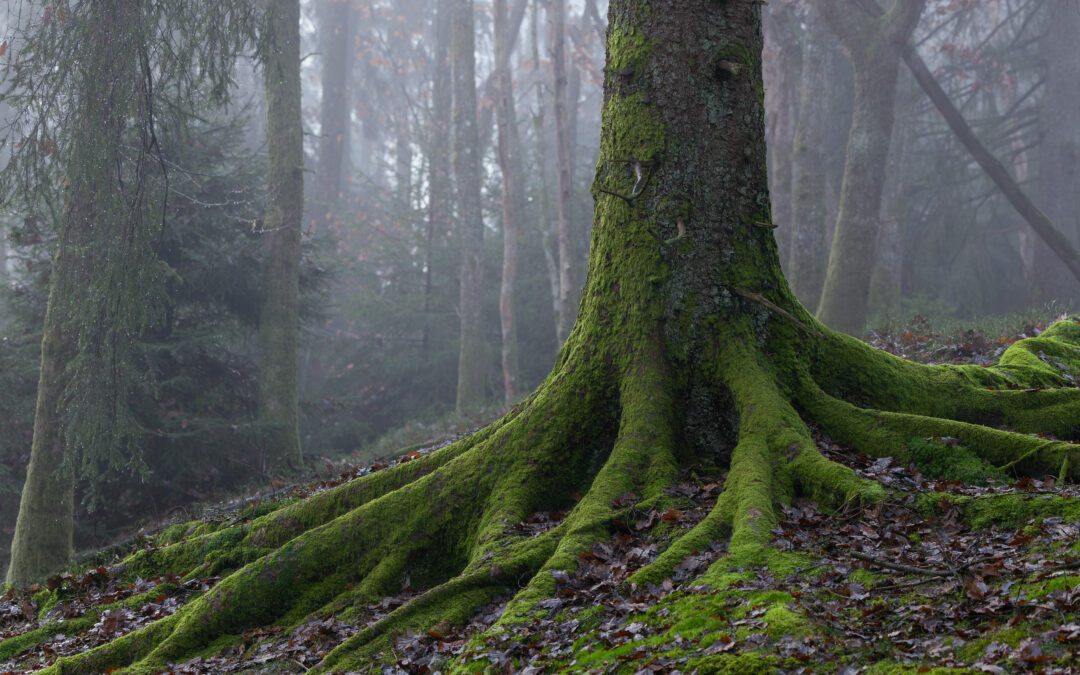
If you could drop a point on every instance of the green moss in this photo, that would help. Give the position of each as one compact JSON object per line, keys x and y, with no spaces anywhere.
{"x":628,"y":50}
{"x":951,"y":462}
{"x":1040,"y":589}
{"x":914,"y":669}
{"x":748,"y":663}
{"x":782,"y":621}
{"x":974,"y":649}
{"x":1009,"y":510}
{"x":865,"y":577}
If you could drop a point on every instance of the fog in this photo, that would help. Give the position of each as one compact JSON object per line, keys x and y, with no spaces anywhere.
{"x":855,"y":145}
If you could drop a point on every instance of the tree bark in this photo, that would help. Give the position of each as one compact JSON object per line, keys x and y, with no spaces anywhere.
{"x":335,"y":35}
{"x":513,"y":204}
{"x":472,"y":371}
{"x":279,"y":327}
{"x":875,"y":46}
{"x":809,"y":251}
{"x":563,"y":172}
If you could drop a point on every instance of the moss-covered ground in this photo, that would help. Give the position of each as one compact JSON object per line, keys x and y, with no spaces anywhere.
{"x":966,"y":565}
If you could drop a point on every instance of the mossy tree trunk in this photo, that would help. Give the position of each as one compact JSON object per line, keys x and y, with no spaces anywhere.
{"x":472,"y":358}
{"x":279,"y":325}
{"x":513,"y":203}
{"x":874,"y":45}
{"x":82,"y":279}
{"x":688,"y":345}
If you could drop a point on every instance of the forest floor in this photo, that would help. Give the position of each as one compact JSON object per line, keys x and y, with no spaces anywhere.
{"x":918,"y":582}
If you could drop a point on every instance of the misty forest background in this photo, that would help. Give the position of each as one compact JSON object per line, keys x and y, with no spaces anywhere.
{"x":384,"y":217}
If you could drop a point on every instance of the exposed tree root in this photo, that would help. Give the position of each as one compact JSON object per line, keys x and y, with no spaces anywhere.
{"x":446,"y":522}
{"x":881,"y":433}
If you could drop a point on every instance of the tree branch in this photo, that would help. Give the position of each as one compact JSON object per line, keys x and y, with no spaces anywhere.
{"x":1043,"y":226}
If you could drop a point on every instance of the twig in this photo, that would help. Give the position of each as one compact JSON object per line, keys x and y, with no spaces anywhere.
{"x":898,"y":567}
{"x":761,"y":299}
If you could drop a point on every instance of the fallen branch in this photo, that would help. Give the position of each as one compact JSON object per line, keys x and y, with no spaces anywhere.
{"x":1043,"y":226}
{"x":899,"y":567}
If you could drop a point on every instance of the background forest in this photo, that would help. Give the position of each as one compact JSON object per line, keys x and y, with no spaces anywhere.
{"x":394,"y":201}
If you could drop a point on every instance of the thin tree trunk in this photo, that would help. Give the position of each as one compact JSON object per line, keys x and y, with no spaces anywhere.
{"x":563,"y":172}
{"x":440,"y":193}
{"x":547,"y":232}
{"x":403,"y":158}
{"x":279,"y":329}
{"x":782,"y":67}
{"x":808,"y":252}
{"x":472,"y":374}
{"x":886,"y":281}
{"x":486,"y":117}
{"x":335,"y":33}
{"x":874,"y":46}
{"x":509,"y":151}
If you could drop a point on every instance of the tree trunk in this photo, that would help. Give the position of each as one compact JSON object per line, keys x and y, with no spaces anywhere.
{"x":875,"y":48}
{"x":335,"y":35}
{"x":95,"y":216}
{"x":809,"y":252}
{"x":472,"y":360}
{"x":548,"y":237}
{"x":886,"y":279}
{"x":403,"y":158}
{"x":513,"y":204}
{"x":688,"y":345}
{"x":279,"y":326}
{"x":782,"y":102}
{"x":1058,"y":154}
{"x":440,"y":192}
{"x":563,"y":173}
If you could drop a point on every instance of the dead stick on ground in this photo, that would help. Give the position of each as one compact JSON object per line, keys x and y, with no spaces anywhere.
{"x":898,"y":567}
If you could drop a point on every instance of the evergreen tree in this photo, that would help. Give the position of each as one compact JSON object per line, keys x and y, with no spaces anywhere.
{"x":87,"y":88}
